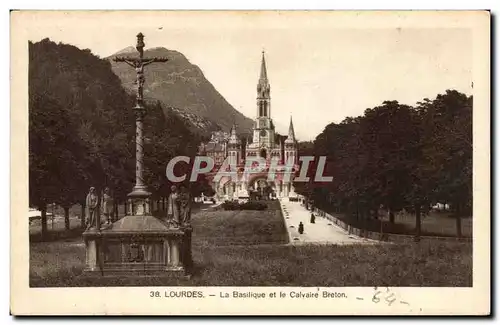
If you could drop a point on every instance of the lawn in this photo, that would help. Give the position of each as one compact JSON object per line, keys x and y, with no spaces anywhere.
{"x":245,"y":227}
{"x":439,"y":224}
{"x":436,"y":223}
{"x":248,"y":248}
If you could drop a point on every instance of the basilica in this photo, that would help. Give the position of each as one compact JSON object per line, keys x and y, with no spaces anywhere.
{"x":263,"y":143}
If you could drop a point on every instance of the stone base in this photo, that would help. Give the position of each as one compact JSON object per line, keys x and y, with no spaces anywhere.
{"x":138,"y":246}
{"x":170,"y":274}
{"x":137,"y":272}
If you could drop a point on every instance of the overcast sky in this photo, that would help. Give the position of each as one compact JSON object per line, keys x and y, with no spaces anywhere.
{"x":321,"y":70}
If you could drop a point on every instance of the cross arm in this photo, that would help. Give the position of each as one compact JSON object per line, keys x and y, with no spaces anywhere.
{"x":147,"y":61}
{"x":130,"y":61}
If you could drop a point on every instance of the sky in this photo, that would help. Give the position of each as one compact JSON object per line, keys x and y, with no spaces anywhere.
{"x":321,"y":68}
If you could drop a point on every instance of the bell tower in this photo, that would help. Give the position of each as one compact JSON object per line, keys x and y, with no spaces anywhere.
{"x":291,"y":145}
{"x":264,"y":128}
{"x":263,"y":92}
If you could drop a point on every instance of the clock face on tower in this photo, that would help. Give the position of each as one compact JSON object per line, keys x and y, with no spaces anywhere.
{"x":263,"y":133}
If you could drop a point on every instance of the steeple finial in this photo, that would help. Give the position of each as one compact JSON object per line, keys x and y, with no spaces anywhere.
{"x":291,"y":131}
{"x":263,"y":70}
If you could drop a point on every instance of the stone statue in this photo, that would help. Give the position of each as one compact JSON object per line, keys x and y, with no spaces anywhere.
{"x":91,"y":209}
{"x":173,"y":210}
{"x":107,"y":205}
{"x":185,"y":206}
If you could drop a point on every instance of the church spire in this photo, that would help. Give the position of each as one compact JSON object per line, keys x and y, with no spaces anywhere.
{"x":291,"y":132}
{"x":263,"y":70}
{"x":233,"y":137}
{"x":263,"y":91}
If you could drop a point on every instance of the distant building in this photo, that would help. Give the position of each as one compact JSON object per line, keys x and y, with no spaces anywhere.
{"x":262,"y":144}
{"x":216,"y":148}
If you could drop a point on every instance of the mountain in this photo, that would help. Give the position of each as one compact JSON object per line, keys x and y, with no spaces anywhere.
{"x":182,"y":87}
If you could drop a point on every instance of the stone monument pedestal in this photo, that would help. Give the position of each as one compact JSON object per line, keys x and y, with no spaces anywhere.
{"x":243,"y":193}
{"x":140,"y":245}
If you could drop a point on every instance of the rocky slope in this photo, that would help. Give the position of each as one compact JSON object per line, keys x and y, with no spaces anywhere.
{"x":182,"y":87}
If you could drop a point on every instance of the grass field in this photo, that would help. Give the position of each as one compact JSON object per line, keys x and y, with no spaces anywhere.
{"x":439,"y":224}
{"x":248,"y":248}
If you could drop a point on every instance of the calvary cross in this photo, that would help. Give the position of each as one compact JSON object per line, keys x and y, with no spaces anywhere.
{"x":138,"y":64}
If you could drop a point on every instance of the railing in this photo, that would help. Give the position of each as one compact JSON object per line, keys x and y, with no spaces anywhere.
{"x":381,"y":236}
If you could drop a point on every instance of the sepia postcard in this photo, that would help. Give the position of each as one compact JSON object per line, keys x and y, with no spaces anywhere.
{"x":250,"y":163}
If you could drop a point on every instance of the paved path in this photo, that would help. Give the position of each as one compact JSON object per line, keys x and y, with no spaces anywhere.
{"x":323,"y":231}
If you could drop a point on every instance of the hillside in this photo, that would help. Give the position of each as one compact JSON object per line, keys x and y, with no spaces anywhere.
{"x":82,"y":127}
{"x":181,"y":86}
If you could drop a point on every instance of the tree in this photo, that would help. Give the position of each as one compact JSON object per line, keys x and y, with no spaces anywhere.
{"x":55,"y":171}
{"x":448,"y":148}
{"x":399,"y":157}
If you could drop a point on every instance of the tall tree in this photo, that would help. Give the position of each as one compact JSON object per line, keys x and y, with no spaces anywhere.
{"x":448,"y":148}
{"x":55,"y":165}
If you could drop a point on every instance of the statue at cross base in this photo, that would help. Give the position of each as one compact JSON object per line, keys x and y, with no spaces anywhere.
{"x":185,"y":206}
{"x":179,"y":206}
{"x":173,"y":207}
{"x":91,"y":202}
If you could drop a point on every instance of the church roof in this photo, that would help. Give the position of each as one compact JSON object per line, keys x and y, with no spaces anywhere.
{"x":213,"y":146}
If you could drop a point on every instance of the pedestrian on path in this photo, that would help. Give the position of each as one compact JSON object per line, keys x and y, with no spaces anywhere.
{"x":313,"y":218}
{"x":301,"y":228}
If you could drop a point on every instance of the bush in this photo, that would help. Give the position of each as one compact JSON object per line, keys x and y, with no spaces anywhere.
{"x":233,"y":205}
{"x":253,"y":206}
{"x":230,"y":205}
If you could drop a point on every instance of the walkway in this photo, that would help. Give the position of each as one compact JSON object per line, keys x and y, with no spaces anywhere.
{"x":321,"y":232}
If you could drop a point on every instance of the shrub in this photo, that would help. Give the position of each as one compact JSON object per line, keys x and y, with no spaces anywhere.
{"x":253,"y":206}
{"x":233,"y":205}
{"x":230,"y":205}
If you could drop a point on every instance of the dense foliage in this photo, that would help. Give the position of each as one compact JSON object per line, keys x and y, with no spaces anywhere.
{"x":250,"y":205}
{"x":397,"y":157}
{"x":82,"y":130}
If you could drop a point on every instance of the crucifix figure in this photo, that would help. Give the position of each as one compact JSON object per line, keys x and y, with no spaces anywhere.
{"x":138,"y":64}
{"x":139,"y":192}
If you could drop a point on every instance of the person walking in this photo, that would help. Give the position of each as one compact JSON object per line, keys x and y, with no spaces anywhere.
{"x":301,"y":228}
